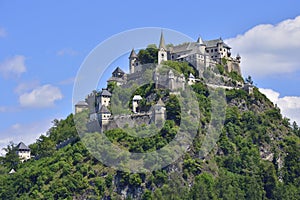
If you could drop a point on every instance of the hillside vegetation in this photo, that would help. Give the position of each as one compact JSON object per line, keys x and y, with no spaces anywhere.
{"x":256,"y":157}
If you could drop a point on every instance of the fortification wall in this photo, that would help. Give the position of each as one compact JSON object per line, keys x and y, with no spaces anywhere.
{"x":120,"y":121}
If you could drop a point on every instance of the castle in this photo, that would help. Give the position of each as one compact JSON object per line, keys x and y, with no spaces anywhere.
{"x":200,"y":54}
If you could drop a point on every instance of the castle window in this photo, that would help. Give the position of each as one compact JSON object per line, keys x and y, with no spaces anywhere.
{"x":162,"y":55}
{"x":207,"y":51}
{"x":212,"y":50}
{"x":216,"y":50}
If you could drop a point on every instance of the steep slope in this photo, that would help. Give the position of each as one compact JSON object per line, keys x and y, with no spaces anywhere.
{"x":256,"y":157}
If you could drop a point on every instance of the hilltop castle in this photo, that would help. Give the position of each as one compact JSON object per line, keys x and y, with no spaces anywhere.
{"x":200,"y":54}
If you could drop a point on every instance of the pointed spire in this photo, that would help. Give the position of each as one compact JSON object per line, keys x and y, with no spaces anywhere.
{"x":162,"y":41}
{"x":133,"y":54}
{"x":160,"y":103}
{"x":199,"y":40}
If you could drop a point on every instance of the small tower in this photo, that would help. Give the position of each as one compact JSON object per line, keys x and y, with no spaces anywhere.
{"x":159,"y":113}
{"x":105,"y":96}
{"x":118,"y":76}
{"x":23,"y":152}
{"x":162,"y":51}
{"x":81,"y":106}
{"x":135,"y":103}
{"x":133,"y":61}
{"x":104,"y":115}
{"x":118,"y":73}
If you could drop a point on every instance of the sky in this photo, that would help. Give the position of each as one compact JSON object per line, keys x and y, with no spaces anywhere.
{"x":44,"y":43}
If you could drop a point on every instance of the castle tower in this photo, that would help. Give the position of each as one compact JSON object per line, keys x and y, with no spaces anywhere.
{"x":81,"y":106}
{"x":159,"y":113}
{"x":135,"y":103}
{"x":132,"y":61}
{"x":105,"y":96}
{"x":104,"y":114}
{"x":23,"y":152}
{"x":162,"y":51}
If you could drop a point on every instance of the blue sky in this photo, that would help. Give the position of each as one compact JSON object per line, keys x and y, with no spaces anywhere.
{"x":43,"y":44}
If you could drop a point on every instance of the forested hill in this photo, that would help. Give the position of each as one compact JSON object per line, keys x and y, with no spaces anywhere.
{"x":256,"y":157}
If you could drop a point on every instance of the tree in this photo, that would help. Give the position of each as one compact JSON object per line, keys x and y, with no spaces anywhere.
{"x":11,"y":159}
{"x":249,"y":80}
{"x":296,"y":129}
{"x":148,"y":55}
{"x":44,"y":146}
{"x":203,"y":187}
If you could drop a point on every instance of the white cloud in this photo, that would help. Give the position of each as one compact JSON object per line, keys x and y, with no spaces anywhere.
{"x":41,"y":96}
{"x":67,"y":51}
{"x":26,"y":86}
{"x":289,"y":105}
{"x":269,"y":49}
{"x":5,"y":109}
{"x":13,"y":66}
{"x":2,"y":32}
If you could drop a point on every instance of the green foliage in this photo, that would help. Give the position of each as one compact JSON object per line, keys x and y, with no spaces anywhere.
{"x":62,"y":129}
{"x":235,"y":76}
{"x":203,"y":187}
{"x":11,"y":159}
{"x":135,"y":180}
{"x":156,"y":140}
{"x":173,"y":109}
{"x":148,"y":55}
{"x":181,"y":68}
{"x":221,"y":69}
{"x":233,"y":170}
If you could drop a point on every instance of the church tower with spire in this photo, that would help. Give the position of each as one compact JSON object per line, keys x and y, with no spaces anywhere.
{"x":162,"y":51}
{"x":133,"y":61}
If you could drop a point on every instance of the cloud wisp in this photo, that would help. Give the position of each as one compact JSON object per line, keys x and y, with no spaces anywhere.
{"x":67,"y":51}
{"x":3,"y":32}
{"x":41,"y":97}
{"x":13,"y":67}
